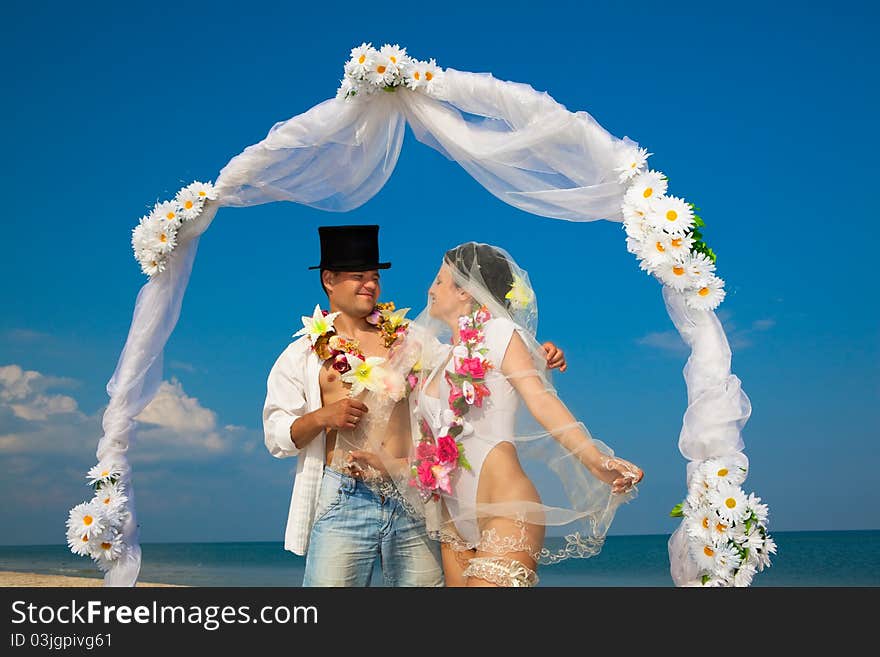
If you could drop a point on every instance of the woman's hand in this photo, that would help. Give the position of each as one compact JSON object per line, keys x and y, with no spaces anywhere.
{"x":366,"y":465}
{"x":621,"y":474}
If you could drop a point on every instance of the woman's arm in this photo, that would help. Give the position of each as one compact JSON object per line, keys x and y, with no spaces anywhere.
{"x":519,"y":367}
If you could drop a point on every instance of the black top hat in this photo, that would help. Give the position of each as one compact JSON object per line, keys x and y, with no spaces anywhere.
{"x":350,"y":248}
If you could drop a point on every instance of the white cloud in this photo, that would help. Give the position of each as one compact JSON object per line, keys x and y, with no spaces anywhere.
{"x":24,"y":391}
{"x":665,"y":340}
{"x":171,"y":408}
{"x":671,"y":341}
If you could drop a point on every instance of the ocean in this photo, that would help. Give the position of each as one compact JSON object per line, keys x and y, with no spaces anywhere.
{"x":809,"y":559}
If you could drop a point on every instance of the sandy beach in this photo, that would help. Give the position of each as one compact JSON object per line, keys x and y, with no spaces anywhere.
{"x":10,"y":578}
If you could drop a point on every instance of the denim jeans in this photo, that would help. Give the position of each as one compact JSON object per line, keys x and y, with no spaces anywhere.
{"x":353,"y":526}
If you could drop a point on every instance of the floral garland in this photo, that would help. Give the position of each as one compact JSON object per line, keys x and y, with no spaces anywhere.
{"x":437,"y":461}
{"x":727,"y":529}
{"x":94,"y":528}
{"x":362,"y":372}
{"x":155,"y":237}
{"x":664,"y":234}
{"x":369,"y":71}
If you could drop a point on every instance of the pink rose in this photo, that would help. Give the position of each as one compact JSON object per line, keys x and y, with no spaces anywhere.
{"x":473,"y":367}
{"x":340,"y":364}
{"x":426,"y":475}
{"x":447,"y":450}
{"x":425,"y":450}
{"x":483,"y":315}
{"x":468,"y":334}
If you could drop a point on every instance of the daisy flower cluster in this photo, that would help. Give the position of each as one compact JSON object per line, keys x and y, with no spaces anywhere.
{"x":155,"y":236}
{"x":370,"y":70}
{"x":726,"y":529}
{"x":663,"y":232}
{"x":94,"y":528}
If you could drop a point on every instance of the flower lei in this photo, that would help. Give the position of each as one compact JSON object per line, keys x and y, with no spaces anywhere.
{"x":95,"y":528}
{"x":348,"y":358}
{"x":726,"y":529}
{"x":437,"y":461}
{"x":663,"y":232}
{"x":155,"y":236}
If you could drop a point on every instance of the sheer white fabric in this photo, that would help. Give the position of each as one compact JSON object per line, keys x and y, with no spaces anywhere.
{"x":521,"y":145}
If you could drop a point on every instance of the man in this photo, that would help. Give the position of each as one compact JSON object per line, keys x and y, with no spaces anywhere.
{"x":337,"y":521}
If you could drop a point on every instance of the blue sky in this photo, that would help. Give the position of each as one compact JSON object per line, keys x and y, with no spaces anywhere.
{"x":762,"y":116}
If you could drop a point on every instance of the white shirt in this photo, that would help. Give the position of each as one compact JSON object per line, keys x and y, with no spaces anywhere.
{"x":292,"y":390}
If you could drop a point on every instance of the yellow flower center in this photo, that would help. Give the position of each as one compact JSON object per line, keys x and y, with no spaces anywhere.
{"x":362,"y":59}
{"x":723,"y":471}
{"x":649,"y":192}
{"x":720,"y":528}
{"x":105,"y":546}
{"x":169,"y":216}
{"x":380,"y":69}
{"x":105,"y":473}
{"x":163,"y":237}
{"x":709,"y":552}
{"x":671,"y":215}
{"x":704,"y":292}
{"x":678,"y":270}
{"x":730,"y":503}
{"x":106,"y":500}
{"x":705,"y":523}
{"x":188,"y":205}
{"x":429,"y":76}
{"x":203,"y":193}
{"x":87,"y":520}
{"x":676,"y":242}
{"x":393,"y":59}
{"x":660,"y":247}
{"x":417,"y":75}
{"x":85,"y":539}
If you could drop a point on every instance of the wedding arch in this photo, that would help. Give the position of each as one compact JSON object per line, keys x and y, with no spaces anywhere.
{"x":530,"y":152}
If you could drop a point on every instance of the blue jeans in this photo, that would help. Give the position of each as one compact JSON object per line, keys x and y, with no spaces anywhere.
{"x":353,"y":526}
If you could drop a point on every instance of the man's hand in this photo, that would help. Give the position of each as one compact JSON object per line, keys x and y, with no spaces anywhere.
{"x":555,"y":357}
{"x":343,"y":414}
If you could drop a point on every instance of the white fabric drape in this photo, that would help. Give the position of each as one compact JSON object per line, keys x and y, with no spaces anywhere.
{"x":521,"y":145}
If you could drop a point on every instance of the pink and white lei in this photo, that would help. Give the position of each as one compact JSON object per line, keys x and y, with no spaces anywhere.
{"x":437,"y":461}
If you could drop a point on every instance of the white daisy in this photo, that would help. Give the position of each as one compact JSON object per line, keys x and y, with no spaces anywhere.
{"x":105,"y":471}
{"x":680,"y":245}
{"x":317,"y":325}
{"x":204,"y":191}
{"x":674,"y":273}
{"x":167,"y":213}
{"x":704,"y":554}
{"x":721,"y":531}
{"x":721,"y":471}
{"x":753,"y":540}
{"x":632,"y":163}
{"x":656,"y":250}
{"x":433,"y":77}
{"x":647,"y":186}
{"x":727,"y":559}
{"x":87,"y":519}
{"x":729,"y":502}
{"x":415,"y":74}
{"x":111,"y":497}
{"x":381,"y":72}
{"x":360,"y":61}
{"x":637,"y":227}
{"x":78,"y":542}
{"x":190,"y":203}
{"x":140,"y":236}
{"x":347,"y":88}
{"x":107,"y":548}
{"x":672,"y":214}
{"x":163,"y":240}
{"x":744,"y":575}
{"x":701,"y":266}
{"x":761,"y":511}
{"x":699,"y":523}
{"x":153,"y":266}
{"x":762,"y":554}
{"x":635,"y":212}
{"x":396,"y":55}
{"x":707,"y":295}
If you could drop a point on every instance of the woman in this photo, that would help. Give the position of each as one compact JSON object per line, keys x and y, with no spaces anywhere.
{"x":497,"y":457}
